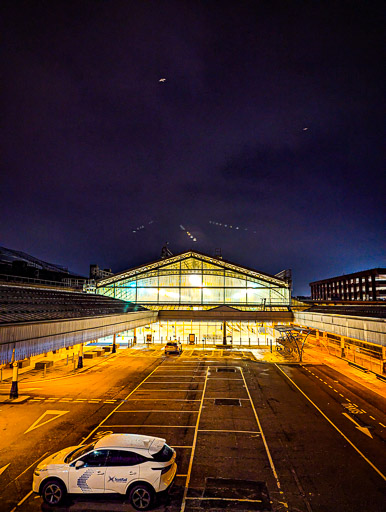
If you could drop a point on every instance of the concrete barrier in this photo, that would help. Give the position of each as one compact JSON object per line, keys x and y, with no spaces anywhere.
{"x":24,"y":363}
{"x":90,"y":355}
{"x":46,"y":363}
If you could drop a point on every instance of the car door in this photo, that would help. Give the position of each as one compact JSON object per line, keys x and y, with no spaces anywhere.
{"x":91,"y":476}
{"x":122,"y":468}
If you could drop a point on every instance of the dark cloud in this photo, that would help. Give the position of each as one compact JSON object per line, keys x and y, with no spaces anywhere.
{"x":94,"y":145}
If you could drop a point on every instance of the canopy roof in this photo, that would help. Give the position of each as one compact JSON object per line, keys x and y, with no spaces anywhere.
{"x":188,"y":258}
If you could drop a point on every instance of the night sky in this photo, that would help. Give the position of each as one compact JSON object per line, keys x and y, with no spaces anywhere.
{"x":270,"y":120}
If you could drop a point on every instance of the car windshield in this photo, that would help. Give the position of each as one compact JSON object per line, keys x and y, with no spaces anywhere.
{"x":164,"y":454}
{"x":172,"y":343}
{"x":79,"y":452}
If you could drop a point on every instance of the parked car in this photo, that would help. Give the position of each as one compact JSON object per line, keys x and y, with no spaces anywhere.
{"x":135,"y":465}
{"x":173,"y":347}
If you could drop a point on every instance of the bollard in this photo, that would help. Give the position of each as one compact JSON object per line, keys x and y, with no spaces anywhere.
{"x":80,"y":356}
{"x":45,"y":370}
{"x":1,"y":375}
{"x":14,"y":388}
{"x":67,"y":361}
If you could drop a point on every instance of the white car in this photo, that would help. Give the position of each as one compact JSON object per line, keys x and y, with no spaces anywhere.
{"x":173,"y":347}
{"x":139,"y":466}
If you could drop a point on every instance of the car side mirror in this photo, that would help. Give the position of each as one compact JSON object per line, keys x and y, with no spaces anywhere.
{"x":79,"y":464}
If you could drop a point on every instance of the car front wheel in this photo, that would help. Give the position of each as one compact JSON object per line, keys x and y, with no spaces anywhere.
{"x":141,"y":497}
{"x":53,"y":492}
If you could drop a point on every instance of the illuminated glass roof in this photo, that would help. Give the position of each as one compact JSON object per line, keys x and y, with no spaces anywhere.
{"x":190,"y":260}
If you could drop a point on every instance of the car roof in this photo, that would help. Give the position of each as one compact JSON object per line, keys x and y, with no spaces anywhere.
{"x":149,"y":443}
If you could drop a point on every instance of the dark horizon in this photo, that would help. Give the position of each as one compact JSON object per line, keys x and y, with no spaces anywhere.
{"x":270,"y":120}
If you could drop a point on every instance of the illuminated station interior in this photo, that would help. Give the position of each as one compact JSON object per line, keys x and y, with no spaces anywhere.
{"x":201,"y":299}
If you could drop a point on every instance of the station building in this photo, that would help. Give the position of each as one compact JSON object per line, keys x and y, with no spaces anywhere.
{"x":190,"y":297}
{"x":203,"y":299}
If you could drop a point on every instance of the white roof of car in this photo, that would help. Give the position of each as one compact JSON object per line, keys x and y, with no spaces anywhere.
{"x":149,"y":443}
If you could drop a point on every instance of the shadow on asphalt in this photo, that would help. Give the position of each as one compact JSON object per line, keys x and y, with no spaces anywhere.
{"x":112,"y":503}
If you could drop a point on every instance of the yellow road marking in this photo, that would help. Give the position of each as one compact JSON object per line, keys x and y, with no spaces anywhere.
{"x":382,"y":425}
{"x":22,"y":473}
{"x":25,"y":497}
{"x":4,"y":468}
{"x":340,"y":394}
{"x":37,"y":424}
{"x":331,"y":423}
{"x":372,"y":417}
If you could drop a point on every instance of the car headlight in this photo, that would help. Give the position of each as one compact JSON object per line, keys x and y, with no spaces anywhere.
{"x":38,"y":471}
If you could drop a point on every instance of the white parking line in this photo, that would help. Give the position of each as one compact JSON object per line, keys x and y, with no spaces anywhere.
{"x":117,"y":407}
{"x":183,"y":504}
{"x":262,"y":434}
{"x":171,"y":371}
{"x":170,"y":390}
{"x":226,"y":398}
{"x":218,"y":378}
{"x":169,"y":382}
{"x":162,"y":399}
{"x":233,"y":431}
{"x":149,"y":426}
{"x":223,"y":499}
{"x":157,"y":410}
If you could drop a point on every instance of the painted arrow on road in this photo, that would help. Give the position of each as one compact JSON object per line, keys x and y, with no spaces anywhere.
{"x":38,"y":423}
{"x":364,"y":430}
{"x":3,"y":469}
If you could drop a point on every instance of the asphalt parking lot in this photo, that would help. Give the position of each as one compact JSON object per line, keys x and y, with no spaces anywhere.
{"x":249,"y":436}
{"x":197,"y":406}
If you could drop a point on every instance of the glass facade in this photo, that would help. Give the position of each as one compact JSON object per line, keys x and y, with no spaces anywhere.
{"x":238,"y":333}
{"x":195,"y":283}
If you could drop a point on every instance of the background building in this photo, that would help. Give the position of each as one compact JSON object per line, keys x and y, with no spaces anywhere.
{"x":99,"y":273}
{"x":364,"y":285}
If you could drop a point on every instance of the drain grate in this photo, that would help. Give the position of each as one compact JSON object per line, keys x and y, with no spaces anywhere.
{"x":227,"y":370}
{"x":227,"y":401}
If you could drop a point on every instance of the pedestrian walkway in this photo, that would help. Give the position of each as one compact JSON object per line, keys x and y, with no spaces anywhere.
{"x":64,"y":366}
